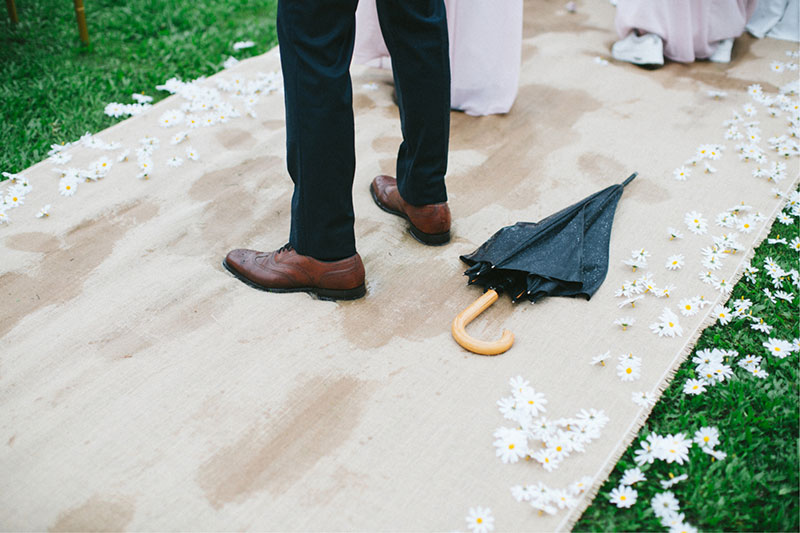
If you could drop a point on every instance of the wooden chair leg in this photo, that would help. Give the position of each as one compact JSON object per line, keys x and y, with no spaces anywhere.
{"x":83,"y":30}
{"x":12,"y":11}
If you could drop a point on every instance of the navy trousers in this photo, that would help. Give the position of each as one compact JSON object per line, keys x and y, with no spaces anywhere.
{"x":316,"y":45}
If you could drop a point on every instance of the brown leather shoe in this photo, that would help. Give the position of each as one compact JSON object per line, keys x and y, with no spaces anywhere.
{"x":285,"y":270}
{"x":430,"y":224}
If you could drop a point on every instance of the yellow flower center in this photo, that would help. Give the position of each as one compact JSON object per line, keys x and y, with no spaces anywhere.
{"x":688,"y":307}
{"x":628,"y":370}
{"x":705,"y":438}
{"x":671,"y":325}
{"x":622,"y":498}
{"x":479,"y":520}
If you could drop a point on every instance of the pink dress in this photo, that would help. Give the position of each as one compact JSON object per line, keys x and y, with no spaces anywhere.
{"x":485,"y":51}
{"x":690,"y":29}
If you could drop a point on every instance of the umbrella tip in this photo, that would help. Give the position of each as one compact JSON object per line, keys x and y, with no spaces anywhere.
{"x":630,"y":179}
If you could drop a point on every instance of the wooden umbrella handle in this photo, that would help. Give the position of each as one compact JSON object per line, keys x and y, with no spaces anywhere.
{"x":468,"y":315}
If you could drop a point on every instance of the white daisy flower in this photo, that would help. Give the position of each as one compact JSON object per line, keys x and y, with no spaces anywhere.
{"x":623,"y":497}
{"x":769,"y":295}
{"x":151,"y":142}
{"x":745,"y":225}
{"x":785,"y":219}
{"x":600,"y":359}
{"x":648,"y":447}
{"x":629,"y":371}
{"x":674,"y":262}
{"x":370,"y":86}
{"x":625,"y":322}
{"x":142,"y":98}
{"x":733,"y":134}
{"x":241,"y":45}
{"x":777,"y":240}
{"x":60,"y":158}
{"x":681,"y":173}
{"x":708,"y":168}
{"x":664,"y":291}
{"x":174,"y":161}
{"x":480,"y":520}
{"x":674,"y":234}
{"x":191,"y":153}
{"x":630,"y":301}
{"x":44,"y":212}
{"x":580,"y":486}
{"x":546,"y":458}
{"x":783,"y":295}
{"x":67,"y":186}
{"x":749,"y":110}
{"x":716,"y":95}
{"x":676,"y":448}
{"x":511,"y":444}
{"x":755,"y":90}
{"x":696,"y":223}
{"x":722,"y":285}
{"x":689,"y":306}
{"x":643,"y":399}
{"x":632,"y":476}
{"x":694,"y":386}
{"x":777,"y":66}
{"x":627,"y":358}
{"x":4,"y":218}
{"x":794,"y":244}
{"x":230,"y":62}
{"x":115,"y":109}
{"x":664,"y":504}
{"x":123,"y":156}
{"x":635,"y":263}
{"x":563,"y":499}
{"x":674,"y":480}
{"x":749,"y":361}
{"x":760,"y":325}
{"x":723,"y":314}
{"x":750,"y":273}
{"x":179,"y":137}
{"x":530,"y":400}
{"x":778,"y":347}
{"x":145,"y":165}
{"x":716,"y":454}
{"x":601,"y":61}
{"x":707,"y":436}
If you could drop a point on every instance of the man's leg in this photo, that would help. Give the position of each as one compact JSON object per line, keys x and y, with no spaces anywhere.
{"x":316,"y":39}
{"x":415,"y":32}
{"x":316,"y":44}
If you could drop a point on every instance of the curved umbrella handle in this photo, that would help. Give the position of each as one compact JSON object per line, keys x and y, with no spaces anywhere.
{"x":468,"y":315}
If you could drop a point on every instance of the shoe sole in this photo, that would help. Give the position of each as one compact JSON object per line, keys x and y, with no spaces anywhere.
{"x":429,"y":239}
{"x":329,"y":295}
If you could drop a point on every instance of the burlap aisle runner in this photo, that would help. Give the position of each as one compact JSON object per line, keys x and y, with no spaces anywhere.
{"x":144,"y":388}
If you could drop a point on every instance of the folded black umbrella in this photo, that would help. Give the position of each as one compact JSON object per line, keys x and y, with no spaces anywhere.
{"x":565,"y":254}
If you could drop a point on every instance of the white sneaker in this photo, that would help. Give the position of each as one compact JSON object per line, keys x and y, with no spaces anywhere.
{"x":723,"y":52}
{"x":647,"y":49}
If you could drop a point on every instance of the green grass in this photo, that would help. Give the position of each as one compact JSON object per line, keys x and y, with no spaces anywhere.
{"x":53,"y":89}
{"x":756,"y":487}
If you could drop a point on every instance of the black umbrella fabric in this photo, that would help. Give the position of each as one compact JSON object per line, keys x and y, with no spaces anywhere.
{"x":565,"y":254}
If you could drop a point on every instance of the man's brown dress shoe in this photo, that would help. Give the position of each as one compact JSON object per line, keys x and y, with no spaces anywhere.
{"x":285,"y":270}
{"x":430,"y":224}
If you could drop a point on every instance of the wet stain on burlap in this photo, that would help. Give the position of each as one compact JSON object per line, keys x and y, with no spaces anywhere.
{"x":66,"y":264}
{"x":97,"y":514}
{"x":274,"y":454}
